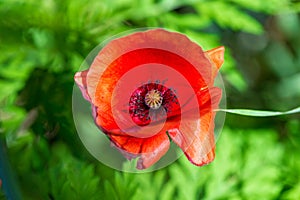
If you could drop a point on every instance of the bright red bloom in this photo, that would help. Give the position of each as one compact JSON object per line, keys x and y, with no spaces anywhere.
{"x":150,"y":85}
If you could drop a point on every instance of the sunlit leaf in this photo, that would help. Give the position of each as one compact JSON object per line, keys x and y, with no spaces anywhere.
{"x":229,"y":16}
{"x":259,"y":113}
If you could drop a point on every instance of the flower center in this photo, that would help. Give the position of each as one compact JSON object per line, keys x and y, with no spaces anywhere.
{"x":153,"y":99}
{"x":150,"y":102}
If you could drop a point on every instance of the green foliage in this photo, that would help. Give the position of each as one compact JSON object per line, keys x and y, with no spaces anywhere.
{"x":53,"y":172}
{"x":77,"y":180}
{"x":229,"y":16}
{"x":270,"y":6}
{"x":43,"y":43}
{"x":246,"y":167}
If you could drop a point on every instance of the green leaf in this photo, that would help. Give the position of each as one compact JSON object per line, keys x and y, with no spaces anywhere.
{"x":293,"y":193}
{"x":187,"y":20}
{"x":236,"y":79}
{"x":109,"y":190}
{"x":71,"y":178}
{"x":270,"y":6}
{"x":247,"y":161}
{"x":259,"y":113}
{"x":167,"y":192}
{"x":2,"y":196}
{"x":229,"y":16}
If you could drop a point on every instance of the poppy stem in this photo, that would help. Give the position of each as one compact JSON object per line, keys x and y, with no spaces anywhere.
{"x":259,"y":113}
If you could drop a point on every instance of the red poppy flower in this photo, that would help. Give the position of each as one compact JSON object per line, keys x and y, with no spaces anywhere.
{"x":149,"y":87}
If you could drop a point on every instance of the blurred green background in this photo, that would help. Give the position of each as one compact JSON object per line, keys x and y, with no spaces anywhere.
{"x":42,"y":45}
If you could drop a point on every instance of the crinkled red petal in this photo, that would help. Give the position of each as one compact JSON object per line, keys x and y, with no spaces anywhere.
{"x":149,"y":149}
{"x":196,"y":135}
{"x":80,"y":79}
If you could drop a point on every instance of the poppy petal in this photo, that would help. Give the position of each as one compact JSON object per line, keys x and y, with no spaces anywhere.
{"x":123,"y":54}
{"x":200,"y":149}
{"x":80,"y":79}
{"x":109,"y":79}
{"x":196,"y":136}
{"x":158,"y":40}
{"x":216,"y":57}
{"x":149,"y":149}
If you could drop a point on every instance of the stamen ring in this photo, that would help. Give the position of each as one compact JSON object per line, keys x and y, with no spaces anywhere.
{"x":153,"y":99}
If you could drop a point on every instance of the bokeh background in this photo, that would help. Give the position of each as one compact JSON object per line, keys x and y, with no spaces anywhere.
{"x":42,"y":45}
